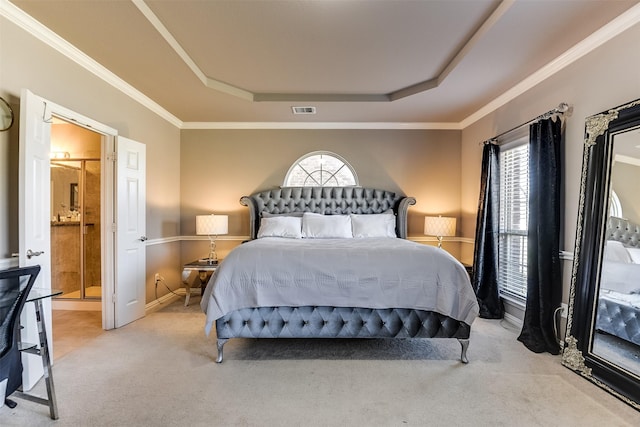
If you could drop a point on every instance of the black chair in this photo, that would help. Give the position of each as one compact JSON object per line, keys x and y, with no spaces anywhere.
{"x":15,"y":284}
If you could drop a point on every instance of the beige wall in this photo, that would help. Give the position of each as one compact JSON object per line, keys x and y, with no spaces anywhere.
{"x":604,"y":79}
{"x":624,"y":181}
{"x":220,"y":166}
{"x":26,"y":62}
{"x":201,"y":171}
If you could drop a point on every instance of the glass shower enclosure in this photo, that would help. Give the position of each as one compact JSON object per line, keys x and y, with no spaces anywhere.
{"x":75,"y":228}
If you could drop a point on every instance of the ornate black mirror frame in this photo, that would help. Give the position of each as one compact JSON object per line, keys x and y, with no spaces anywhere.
{"x":600,"y":130}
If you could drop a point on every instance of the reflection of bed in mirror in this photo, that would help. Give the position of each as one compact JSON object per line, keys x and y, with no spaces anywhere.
{"x":619,"y":298}
{"x":601,"y":342}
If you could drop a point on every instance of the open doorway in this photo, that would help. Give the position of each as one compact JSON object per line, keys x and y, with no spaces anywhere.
{"x":76,"y":243}
{"x":76,"y":214}
{"x":122,"y":218}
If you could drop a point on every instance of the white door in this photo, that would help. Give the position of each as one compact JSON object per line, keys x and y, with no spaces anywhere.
{"x":34,"y":231}
{"x":34,"y":191}
{"x":130,"y":298}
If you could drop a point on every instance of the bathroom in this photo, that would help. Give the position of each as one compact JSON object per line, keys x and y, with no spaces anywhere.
{"x":75,"y":216}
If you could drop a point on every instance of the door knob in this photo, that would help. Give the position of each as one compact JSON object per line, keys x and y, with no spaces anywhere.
{"x":142,"y":238}
{"x":31,"y":254}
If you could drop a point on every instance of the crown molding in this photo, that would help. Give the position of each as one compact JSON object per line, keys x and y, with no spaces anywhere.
{"x":617,"y":26}
{"x":321,"y":125}
{"x":45,"y":35}
{"x":620,"y":24}
{"x":247,"y":95}
{"x":189,"y":62}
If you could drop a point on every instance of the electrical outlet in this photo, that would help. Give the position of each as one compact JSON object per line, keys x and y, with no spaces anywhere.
{"x":159,"y":277}
{"x":565,"y":310}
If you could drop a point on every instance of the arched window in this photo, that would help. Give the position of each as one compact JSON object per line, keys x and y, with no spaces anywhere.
{"x":615,"y":207}
{"x":321,"y":169}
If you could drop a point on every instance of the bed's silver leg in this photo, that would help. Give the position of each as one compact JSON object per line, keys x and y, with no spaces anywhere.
{"x":220,"y":343}
{"x":465,"y":345}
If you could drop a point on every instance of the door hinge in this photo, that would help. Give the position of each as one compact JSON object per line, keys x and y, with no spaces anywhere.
{"x":114,"y":227}
{"x":114,"y":298}
{"x":113,"y":157}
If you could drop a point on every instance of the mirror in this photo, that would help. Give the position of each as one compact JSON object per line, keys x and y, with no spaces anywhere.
{"x":74,"y":198}
{"x":65,"y":175}
{"x":603,"y":326}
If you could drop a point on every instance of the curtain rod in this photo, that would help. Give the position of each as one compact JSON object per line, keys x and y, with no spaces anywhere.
{"x":560,"y":109}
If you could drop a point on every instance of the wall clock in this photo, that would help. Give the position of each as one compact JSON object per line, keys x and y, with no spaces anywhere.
{"x":6,"y":115}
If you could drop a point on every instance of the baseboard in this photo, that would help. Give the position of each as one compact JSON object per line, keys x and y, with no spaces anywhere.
{"x":97,"y":305}
{"x":513,"y":320}
{"x":164,"y":300}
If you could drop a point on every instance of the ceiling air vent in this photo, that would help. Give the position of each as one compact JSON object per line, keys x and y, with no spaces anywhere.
{"x":304,"y":110}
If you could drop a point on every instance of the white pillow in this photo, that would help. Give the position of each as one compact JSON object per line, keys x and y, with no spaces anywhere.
{"x":634,"y":254}
{"x":318,"y":226}
{"x":271,"y":215}
{"x":281,"y":226}
{"x":615,"y":251}
{"x":373,"y":225}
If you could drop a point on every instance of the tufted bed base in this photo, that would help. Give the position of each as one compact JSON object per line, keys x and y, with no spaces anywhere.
{"x":334,"y":322}
{"x":338,"y":322}
{"x":618,"y":319}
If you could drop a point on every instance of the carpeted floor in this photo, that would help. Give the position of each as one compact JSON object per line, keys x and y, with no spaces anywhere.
{"x":159,"y":371}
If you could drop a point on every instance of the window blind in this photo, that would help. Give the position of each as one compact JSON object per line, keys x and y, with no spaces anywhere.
{"x":514,"y":219}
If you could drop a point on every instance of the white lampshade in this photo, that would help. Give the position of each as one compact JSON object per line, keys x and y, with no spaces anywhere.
{"x":212,"y":225}
{"x":439,"y":226}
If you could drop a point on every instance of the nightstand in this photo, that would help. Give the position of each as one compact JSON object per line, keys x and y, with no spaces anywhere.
{"x":198,"y":270}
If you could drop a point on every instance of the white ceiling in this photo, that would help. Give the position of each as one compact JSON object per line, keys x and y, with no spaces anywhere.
{"x":389,"y":61}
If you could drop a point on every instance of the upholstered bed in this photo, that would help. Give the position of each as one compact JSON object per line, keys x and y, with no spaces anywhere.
{"x":619,"y":297}
{"x":344,"y":269}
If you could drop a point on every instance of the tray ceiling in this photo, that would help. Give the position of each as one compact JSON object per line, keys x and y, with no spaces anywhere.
{"x":355,"y":61}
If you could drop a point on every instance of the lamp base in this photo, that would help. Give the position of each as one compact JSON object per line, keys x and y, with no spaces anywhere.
{"x":213,"y":257}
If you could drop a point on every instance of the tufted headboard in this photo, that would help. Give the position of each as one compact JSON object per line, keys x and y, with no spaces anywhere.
{"x":624,"y":231}
{"x":328,"y":201}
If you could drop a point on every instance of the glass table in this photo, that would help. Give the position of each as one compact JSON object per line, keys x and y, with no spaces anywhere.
{"x":37,"y":295}
{"x":201,"y":270}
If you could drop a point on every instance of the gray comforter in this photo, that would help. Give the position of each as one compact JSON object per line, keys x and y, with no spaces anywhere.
{"x":369,"y":273}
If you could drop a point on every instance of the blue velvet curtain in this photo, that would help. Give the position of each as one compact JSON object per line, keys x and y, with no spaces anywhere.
{"x":485,"y":257}
{"x":544,"y":277}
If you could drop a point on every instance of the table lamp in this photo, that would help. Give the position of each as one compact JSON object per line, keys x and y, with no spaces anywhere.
{"x":212,"y":226}
{"x":439,"y":226}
